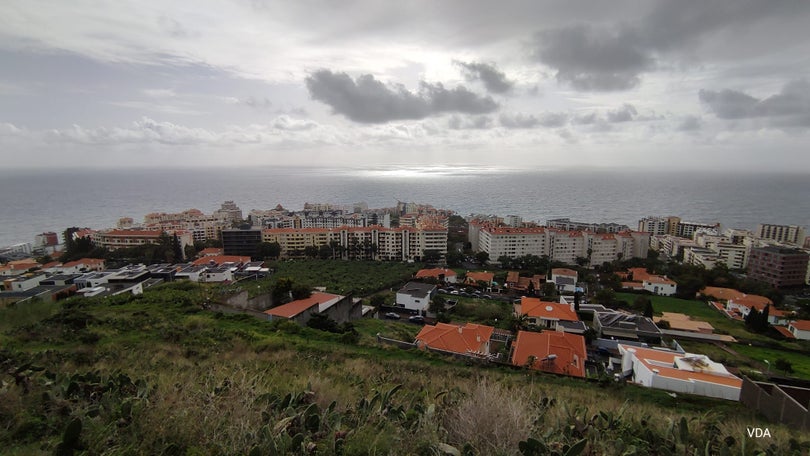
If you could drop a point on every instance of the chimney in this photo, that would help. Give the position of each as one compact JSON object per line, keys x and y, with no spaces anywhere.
{"x":460,"y":331}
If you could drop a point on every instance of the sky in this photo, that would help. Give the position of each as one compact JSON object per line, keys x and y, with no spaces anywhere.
{"x":659,"y":85}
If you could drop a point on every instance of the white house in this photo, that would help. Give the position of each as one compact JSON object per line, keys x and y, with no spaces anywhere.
{"x":565,"y":279}
{"x":800,"y":329}
{"x":743,"y":306}
{"x":661,"y":286}
{"x":415,"y":296}
{"x":679,"y":372}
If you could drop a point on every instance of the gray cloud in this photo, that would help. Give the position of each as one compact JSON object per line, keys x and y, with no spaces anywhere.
{"x":690,"y":123}
{"x":493,"y":79}
{"x":790,"y":107}
{"x":257,"y":102}
{"x":598,"y":57}
{"x":456,"y":122}
{"x":368,"y":100}
{"x":592,"y":58}
{"x":520,"y":120}
{"x":626,"y":113}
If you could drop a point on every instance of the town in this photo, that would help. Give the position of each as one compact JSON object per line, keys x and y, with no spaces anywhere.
{"x":682,"y":306}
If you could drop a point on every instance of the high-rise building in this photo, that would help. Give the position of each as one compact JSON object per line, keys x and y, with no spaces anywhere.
{"x":778,"y":266}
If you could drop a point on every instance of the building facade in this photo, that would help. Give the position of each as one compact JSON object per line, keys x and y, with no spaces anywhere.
{"x":778,"y":266}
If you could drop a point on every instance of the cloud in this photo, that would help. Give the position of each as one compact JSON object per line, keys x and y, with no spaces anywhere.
{"x":456,"y":122}
{"x":285,"y":122}
{"x":520,"y":120}
{"x":626,"y":113}
{"x":593,"y":58}
{"x":255,"y":102}
{"x":494,"y":81}
{"x":368,"y":100}
{"x":790,"y":107}
{"x":690,"y":123}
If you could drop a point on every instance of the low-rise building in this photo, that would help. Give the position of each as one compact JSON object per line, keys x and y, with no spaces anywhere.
{"x":800,"y":329}
{"x":679,"y":372}
{"x":682,"y":322}
{"x":549,"y":315}
{"x":550,"y":351}
{"x":439,"y":274}
{"x":337,"y":307}
{"x":415,"y":296}
{"x":470,"y":339}
{"x":655,"y":284}
{"x":474,"y":277}
{"x":565,"y":279}
{"x":626,"y":326}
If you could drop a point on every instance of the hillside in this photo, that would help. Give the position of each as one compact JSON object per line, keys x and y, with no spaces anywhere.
{"x":155,"y":374}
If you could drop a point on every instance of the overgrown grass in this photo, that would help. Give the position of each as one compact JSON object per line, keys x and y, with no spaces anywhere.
{"x":360,"y":278}
{"x":156,"y":375}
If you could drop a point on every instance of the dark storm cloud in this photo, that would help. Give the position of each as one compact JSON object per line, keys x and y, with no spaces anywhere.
{"x":368,"y":100}
{"x":494,"y":80}
{"x":790,"y":107}
{"x":593,"y":58}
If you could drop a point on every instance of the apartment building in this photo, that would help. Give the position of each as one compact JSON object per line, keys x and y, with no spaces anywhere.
{"x":674,"y":226}
{"x":792,"y":234}
{"x":558,"y":245}
{"x":117,"y":239}
{"x":372,"y":242}
{"x":778,"y":266}
{"x":568,"y":225}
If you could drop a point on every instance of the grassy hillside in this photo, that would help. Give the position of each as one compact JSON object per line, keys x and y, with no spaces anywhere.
{"x":156,"y":375}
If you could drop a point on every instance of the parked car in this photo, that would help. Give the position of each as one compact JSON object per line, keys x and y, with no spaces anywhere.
{"x":392,"y":315}
{"x":417,"y":319}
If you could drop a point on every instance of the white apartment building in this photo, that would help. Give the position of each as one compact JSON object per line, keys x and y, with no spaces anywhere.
{"x":558,"y":245}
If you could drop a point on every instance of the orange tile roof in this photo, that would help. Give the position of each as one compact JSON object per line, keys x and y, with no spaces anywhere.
{"x":512,"y":230}
{"x":569,"y":351}
{"x":85,"y":261}
{"x":294,"y":308}
{"x":481,"y":275}
{"x":634,"y":285}
{"x":512,"y":276}
{"x":639,"y":274}
{"x":147,"y":233}
{"x":470,"y":338}
{"x":210,"y":251}
{"x":725,"y":294}
{"x":655,"y":359}
{"x":435,"y":272}
{"x":534,"y":307}
{"x":564,"y":272}
{"x":784,"y":332}
{"x":801,"y":325}
{"x":219,"y":259}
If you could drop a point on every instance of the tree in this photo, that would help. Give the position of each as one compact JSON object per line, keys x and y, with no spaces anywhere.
{"x":432,"y":256}
{"x":530,"y":289}
{"x":177,"y":249}
{"x":505,"y":261}
{"x":190,"y":252}
{"x":549,"y":289}
{"x":783,"y":365}
{"x":437,"y":305}
{"x":311,"y":251}
{"x":454,"y":258}
{"x":648,"y":309}
{"x":300,"y":291}
{"x":377,"y":300}
{"x":324,"y":252}
{"x":577,"y":300}
{"x":269,"y":250}
{"x":605,"y":296}
{"x":482,"y":257}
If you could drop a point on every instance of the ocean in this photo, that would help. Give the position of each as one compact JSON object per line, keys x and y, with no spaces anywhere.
{"x":34,"y":201}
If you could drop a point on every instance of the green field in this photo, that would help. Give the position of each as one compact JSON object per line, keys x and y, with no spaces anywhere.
{"x":156,"y":374}
{"x":360,"y":278}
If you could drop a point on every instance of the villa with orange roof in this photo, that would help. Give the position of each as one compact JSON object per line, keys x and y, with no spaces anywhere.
{"x":440,"y":274}
{"x":679,"y":372}
{"x":636,"y":278}
{"x":221,"y":259}
{"x":469,"y":339}
{"x":549,"y":315}
{"x":337,"y":307}
{"x":743,"y":305}
{"x":800,"y":329}
{"x":551,"y":351}
{"x":82,"y":265}
{"x":473,"y":277}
